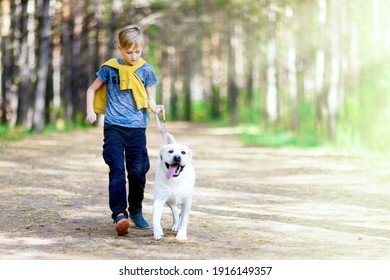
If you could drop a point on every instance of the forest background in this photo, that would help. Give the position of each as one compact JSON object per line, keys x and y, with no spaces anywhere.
{"x":299,"y":72}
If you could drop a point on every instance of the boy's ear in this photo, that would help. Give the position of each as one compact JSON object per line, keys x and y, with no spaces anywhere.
{"x":119,"y":47}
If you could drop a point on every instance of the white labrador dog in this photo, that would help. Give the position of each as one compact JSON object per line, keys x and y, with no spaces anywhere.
{"x":174,"y":186}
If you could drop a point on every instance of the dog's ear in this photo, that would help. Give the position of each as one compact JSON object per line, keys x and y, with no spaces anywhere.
{"x":169,"y":139}
{"x":161,"y":153}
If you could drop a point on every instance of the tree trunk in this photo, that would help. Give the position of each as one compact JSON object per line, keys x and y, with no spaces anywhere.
{"x":67,"y":64}
{"x":320,"y":68}
{"x":116,"y":8}
{"x":272,"y":102}
{"x":215,"y":106}
{"x":188,"y":66}
{"x":174,"y":98}
{"x":334,"y":68}
{"x":292,"y":71}
{"x":78,"y":55}
{"x":249,"y":80}
{"x":6,"y":64}
{"x":12,"y":94}
{"x":5,"y":57}
{"x":232,"y":75}
{"x":25,"y":87}
{"x":43,"y":66}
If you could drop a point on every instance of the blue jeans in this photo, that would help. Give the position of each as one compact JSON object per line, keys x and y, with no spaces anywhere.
{"x":123,"y":144}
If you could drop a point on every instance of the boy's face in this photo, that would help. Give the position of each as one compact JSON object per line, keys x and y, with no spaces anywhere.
{"x":131,"y":55}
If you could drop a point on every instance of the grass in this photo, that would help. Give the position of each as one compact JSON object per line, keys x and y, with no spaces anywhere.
{"x":13,"y":134}
{"x":255,"y":135}
{"x":19,"y":133}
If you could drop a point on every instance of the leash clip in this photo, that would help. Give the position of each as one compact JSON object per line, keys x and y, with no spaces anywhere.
{"x":161,"y":127}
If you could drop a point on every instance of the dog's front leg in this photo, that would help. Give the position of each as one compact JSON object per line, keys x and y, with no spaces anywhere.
{"x":184,"y":215}
{"x":158,"y":207}
{"x":176,"y":218}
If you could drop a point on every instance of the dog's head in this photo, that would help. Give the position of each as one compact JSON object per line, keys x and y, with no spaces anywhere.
{"x":174,"y":158}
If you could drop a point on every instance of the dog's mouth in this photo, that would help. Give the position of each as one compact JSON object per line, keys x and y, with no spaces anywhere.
{"x":174,"y":170}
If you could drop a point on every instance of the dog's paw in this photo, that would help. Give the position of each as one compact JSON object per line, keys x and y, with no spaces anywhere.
{"x":158,"y":234}
{"x":181,"y":236}
{"x":175,"y":227}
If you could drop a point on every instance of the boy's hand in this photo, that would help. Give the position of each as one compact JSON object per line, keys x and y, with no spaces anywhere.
{"x":159,"y":109}
{"x":91,"y":117}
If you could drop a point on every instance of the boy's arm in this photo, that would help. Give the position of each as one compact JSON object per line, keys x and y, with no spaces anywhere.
{"x":151,"y":102}
{"x":91,"y":115}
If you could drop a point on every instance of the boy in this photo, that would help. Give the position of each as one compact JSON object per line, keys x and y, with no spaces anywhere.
{"x":125,"y":123}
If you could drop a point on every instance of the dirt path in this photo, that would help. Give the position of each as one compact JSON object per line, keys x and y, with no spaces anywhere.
{"x":250,"y":203}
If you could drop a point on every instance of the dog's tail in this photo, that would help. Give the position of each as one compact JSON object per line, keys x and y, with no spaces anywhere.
{"x":169,"y":139}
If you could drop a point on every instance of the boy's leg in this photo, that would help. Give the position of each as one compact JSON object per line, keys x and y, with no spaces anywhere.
{"x":113,"y":154}
{"x":137,"y":165}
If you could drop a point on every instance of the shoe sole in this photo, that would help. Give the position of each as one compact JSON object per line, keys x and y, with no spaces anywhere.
{"x":122,"y":227}
{"x":141,"y":228}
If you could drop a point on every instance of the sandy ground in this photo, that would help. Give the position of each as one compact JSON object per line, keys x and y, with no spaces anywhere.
{"x":249,"y":202}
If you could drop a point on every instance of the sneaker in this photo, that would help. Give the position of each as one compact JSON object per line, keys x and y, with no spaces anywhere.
{"x":122,"y":224}
{"x":139,"y":221}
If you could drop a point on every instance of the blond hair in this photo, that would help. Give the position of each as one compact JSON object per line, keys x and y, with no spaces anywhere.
{"x":129,"y":36}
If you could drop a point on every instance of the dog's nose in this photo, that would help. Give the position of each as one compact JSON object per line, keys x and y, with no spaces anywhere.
{"x":176,"y":158}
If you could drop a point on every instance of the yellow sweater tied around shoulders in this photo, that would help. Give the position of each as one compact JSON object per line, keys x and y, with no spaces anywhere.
{"x":127,"y":80}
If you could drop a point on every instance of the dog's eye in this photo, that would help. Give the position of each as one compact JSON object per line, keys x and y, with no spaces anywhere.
{"x":183,"y":152}
{"x":170,"y":151}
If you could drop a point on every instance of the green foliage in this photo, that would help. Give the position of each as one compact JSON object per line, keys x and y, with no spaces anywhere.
{"x":255,"y":130}
{"x":203,"y":29}
{"x":60,"y":125}
{"x":362,"y":124}
{"x":365,"y":120}
{"x":249,"y":111}
{"x":14,"y":134}
{"x":267,"y":135}
{"x":258,"y":135}
{"x":307,"y":131}
{"x":152,"y":59}
{"x":200,"y":111}
{"x":159,"y":5}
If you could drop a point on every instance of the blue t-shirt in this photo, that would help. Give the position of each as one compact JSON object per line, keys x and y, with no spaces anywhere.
{"x":121,"y":108}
